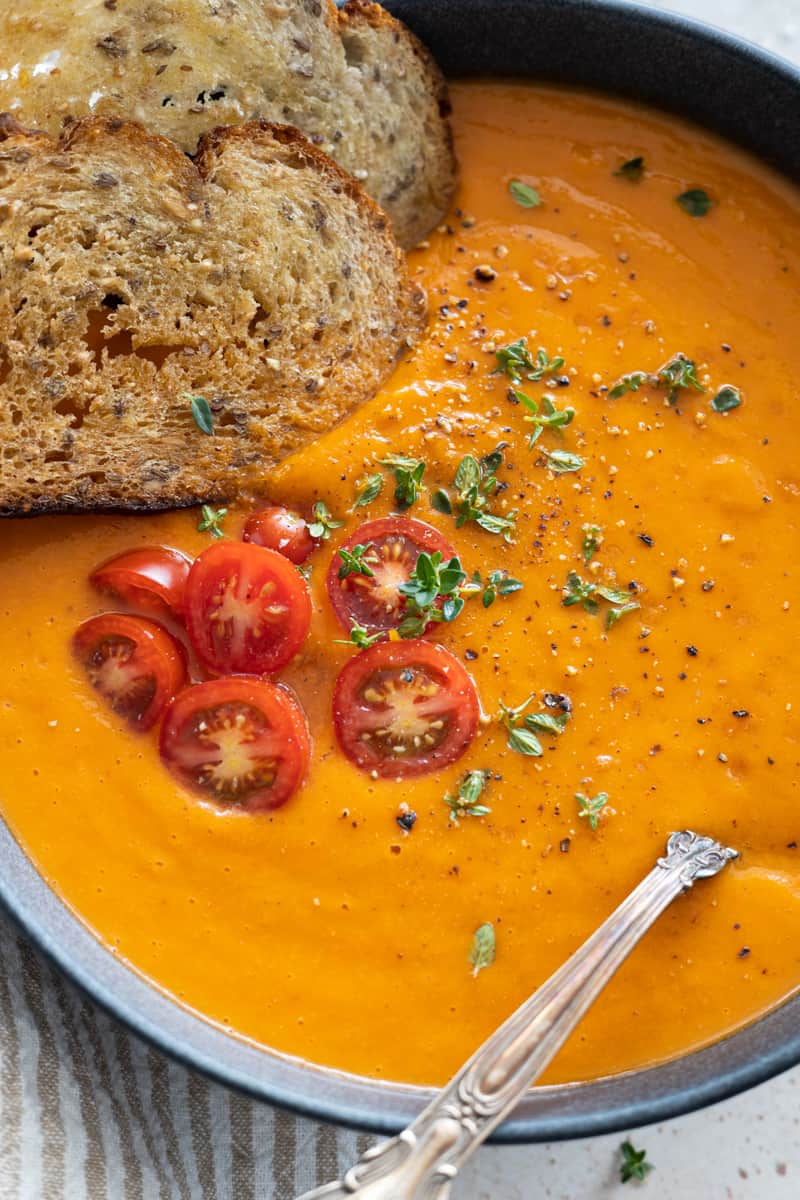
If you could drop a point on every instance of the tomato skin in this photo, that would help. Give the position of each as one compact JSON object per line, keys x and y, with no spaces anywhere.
{"x":397,"y":543}
{"x":437,"y":701}
{"x":149,"y":578}
{"x":248,"y":609}
{"x":135,"y":664}
{"x":274,"y":737}
{"x":280,"y":529}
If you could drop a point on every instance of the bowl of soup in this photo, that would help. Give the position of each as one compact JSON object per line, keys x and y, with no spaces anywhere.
{"x":599,"y":425}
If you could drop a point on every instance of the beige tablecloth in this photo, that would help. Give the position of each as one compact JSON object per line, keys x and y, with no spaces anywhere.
{"x":89,"y":1112}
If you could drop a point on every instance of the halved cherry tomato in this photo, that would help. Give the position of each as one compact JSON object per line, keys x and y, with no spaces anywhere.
{"x":239,"y":741}
{"x":279,"y":529}
{"x":133,"y":663}
{"x":404,"y":708}
{"x":248,"y":610}
{"x":395,"y":544}
{"x":151,"y":578}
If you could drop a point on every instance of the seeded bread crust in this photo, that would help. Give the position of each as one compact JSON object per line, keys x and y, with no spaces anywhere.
{"x":259,"y":276}
{"x":355,"y":81}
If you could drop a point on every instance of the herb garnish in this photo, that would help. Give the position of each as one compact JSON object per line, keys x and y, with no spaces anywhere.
{"x":525,"y":195}
{"x":516,"y":361}
{"x":634,"y":1163}
{"x":584,"y":592}
{"x":498,"y":583}
{"x":631,"y":383}
{"x":475,"y":483}
{"x":201,"y":411}
{"x":633,"y":169}
{"x":562,"y":461}
{"x":522,"y":729}
{"x":579,"y":591}
{"x":323,"y":522}
{"x":543,"y":414}
{"x":484,"y":945}
{"x":695,"y":202}
{"x":211,"y":520}
{"x":431,"y":580}
{"x":592,"y":538}
{"x":353,"y":562}
{"x":726,"y":399}
{"x":617,"y":612}
{"x":408,"y":474}
{"x":678,"y":374}
{"x":591,"y":808}
{"x":370,"y":490}
{"x":471,"y":787}
{"x":359,"y":637}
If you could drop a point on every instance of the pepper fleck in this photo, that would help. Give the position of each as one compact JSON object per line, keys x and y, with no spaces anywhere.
{"x":407,"y":821}
{"x":743,"y":953}
{"x":645,"y":537}
{"x":693,"y":651}
{"x":740,"y":712}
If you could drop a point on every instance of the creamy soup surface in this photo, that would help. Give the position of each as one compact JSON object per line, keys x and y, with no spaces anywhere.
{"x":324,"y":929}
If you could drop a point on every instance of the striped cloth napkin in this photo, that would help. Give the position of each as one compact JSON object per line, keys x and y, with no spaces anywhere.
{"x":90,"y":1112}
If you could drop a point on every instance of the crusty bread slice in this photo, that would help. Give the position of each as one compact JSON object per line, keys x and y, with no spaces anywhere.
{"x":259,"y":276}
{"x":356,"y":82}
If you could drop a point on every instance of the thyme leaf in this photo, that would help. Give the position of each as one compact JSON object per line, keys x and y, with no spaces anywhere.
{"x":323,"y":522}
{"x":525,"y":195}
{"x":471,"y":787}
{"x":369,"y":490}
{"x":484,"y":947}
{"x":632,"y":170}
{"x":211,"y":520}
{"x":591,"y":807}
{"x":201,"y":411}
{"x":408,"y":474}
{"x":353,"y":562}
{"x":695,"y":202}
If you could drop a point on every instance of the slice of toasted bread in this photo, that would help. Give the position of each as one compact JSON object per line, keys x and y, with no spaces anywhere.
{"x":259,"y":276}
{"x":355,"y":81}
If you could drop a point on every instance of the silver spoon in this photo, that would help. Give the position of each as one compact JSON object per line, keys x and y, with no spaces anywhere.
{"x":422,"y":1162}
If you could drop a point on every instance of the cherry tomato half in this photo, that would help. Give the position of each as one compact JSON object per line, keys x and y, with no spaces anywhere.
{"x":151,"y":578}
{"x":248,"y":610}
{"x":238,"y":741}
{"x":279,"y":529}
{"x":395,"y":544}
{"x":133,"y":663}
{"x":404,"y":708}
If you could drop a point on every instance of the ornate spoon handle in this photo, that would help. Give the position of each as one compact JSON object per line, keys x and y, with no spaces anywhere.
{"x":422,"y":1162}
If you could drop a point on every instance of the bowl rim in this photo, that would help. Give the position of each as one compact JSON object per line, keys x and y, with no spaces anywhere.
{"x":744,"y":1058}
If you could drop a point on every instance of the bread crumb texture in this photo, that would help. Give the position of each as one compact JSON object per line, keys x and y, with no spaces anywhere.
{"x":132,"y":278}
{"x":355,"y":81}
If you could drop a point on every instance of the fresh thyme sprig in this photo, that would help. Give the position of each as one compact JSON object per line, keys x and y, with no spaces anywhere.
{"x":677,"y":375}
{"x":470,"y":788}
{"x":515,"y":359}
{"x":211,"y":520}
{"x":475,"y":484}
{"x":521,"y":729}
{"x":323,"y":523}
{"x":408,"y":474}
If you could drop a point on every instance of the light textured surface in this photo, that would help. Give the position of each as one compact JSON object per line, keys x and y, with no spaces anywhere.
{"x":88,"y":1113}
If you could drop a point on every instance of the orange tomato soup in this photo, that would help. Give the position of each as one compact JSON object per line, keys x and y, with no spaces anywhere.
{"x":323,"y":929}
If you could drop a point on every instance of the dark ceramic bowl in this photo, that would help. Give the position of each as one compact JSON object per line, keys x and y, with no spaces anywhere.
{"x":749,"y":97}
